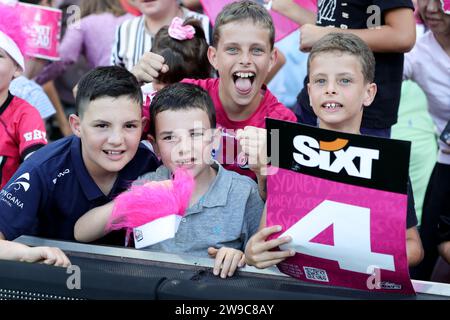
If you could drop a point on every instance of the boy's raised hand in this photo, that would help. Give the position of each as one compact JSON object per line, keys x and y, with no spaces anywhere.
{"x":310,"y":34}
{"x":149,"y":67}
{"x":46,"y":255}
{"x":257,"y":250}
{"x":227,"y":260}
{"x":253,"y":142}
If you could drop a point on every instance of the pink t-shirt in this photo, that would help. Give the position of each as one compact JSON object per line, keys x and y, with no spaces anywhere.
{"x":270,"y":107}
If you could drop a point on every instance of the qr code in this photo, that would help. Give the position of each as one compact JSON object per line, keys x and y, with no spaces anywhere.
{"x":316,"y":274}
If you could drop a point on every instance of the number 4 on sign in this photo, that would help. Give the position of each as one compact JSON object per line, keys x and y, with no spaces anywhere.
{"x":351,"y":226}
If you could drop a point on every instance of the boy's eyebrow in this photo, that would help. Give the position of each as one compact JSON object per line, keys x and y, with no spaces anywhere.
{"x":190,"y":130}
{"x":262,"y":43}
{"x":325,"y":74}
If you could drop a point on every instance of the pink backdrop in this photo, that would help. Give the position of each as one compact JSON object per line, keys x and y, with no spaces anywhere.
{"x":293,"y":195}
{"x":283,"y":25}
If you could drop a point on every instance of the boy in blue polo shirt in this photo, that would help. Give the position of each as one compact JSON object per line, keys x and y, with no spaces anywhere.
{"x":67,"y":178}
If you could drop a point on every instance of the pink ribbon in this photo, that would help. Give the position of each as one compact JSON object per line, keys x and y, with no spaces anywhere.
{"x":180,"y":32}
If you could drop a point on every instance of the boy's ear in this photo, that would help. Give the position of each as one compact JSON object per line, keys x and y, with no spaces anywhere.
{"x":371,"y":91}
{"x":75,"y":124}
{"x":273,"y":58}
{"x":152,"y":140}
{"x":212,"y":56}
{"x":216,"y":138}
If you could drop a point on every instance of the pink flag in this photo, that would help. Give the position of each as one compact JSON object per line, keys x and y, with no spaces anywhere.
{"x":42,"y":25}
{"x":283,"y":25}
{"x":446,"y":6}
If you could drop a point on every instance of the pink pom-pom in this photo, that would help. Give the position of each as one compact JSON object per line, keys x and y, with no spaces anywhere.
{"x":153,"y":200}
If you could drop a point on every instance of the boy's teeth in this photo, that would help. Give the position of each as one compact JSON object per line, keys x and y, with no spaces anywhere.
{"x":245,"y":74}
{"x":114,"y":152}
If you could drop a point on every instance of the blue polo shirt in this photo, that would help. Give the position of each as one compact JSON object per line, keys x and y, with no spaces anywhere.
{"x":53,"y":188}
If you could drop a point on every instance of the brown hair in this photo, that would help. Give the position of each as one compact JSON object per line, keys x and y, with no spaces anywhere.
{"x":185,"y":58}
{"x":349,"y":44}
{"x":241,"y":11}
{"x":89,"y":7}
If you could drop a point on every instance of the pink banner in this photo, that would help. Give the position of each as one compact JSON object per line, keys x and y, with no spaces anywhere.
{"x":283,"y":25}
{"x":43,"y":27}
{"x":446,"y":6}
{"x":341,"y":231}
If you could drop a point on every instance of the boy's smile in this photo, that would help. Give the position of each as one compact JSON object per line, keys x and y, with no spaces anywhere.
{"x":338,"y":91}
{"x":243,"y":58}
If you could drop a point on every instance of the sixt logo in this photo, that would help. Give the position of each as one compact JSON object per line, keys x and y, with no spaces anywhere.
{"x":312,"y":153}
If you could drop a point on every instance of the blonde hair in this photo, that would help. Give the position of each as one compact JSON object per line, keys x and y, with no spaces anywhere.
{"x":89,"y":7}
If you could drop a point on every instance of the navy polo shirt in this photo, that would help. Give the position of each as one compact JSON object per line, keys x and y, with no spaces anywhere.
{"x":53,"y":188}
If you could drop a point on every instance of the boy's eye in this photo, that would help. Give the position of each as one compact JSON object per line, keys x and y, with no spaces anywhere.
{"x":320,"y":81}
{"x":196,"y":134}
{"x":345,"y":81}
{"x":258,"y":51}
{"x":131,"y":126}
{"x":231,"y":50}
{"x":101,"y":125}
{"x":168,"y":138}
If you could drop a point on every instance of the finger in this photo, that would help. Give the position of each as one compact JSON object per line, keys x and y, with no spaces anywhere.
{"x":226,"y":264}
{"x":218,"y":262}
{"x":272,"y":255}
{"x":234,"y":264}
{"x":267,"y":231}
{"x":164,"y":68}
{"x":155,"y":57}
{"x":268,"y":263}
{"x":242,"y":262}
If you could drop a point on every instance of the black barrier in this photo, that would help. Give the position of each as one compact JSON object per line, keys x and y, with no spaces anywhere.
{"x":117,"y":273}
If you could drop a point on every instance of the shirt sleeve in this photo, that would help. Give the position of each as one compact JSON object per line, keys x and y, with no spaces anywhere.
{"x":31,"y":131}
{"x":408,"y":65}
{"x":116,"y":59}
{"x":393,"y":4}
{"x":20,"y":200}
{"x":253,"y":213}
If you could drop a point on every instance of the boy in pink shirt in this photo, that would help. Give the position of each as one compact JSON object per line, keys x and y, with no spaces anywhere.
{"x":243,"y":54}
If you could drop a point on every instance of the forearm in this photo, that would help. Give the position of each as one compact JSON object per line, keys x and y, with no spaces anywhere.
{"x":52,"y":94}
{"x":295,"y":12}
{"x":91,"y":226}
{"x":398,"y":34}
{"x":12,"y":250}
{"x":280,"y":61}
{"x":382,"y":39}
{"x":414,"y":249}
{"x":444,"y":250}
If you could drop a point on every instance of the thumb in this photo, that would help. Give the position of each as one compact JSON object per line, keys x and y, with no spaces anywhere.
{"x":212,"y":251}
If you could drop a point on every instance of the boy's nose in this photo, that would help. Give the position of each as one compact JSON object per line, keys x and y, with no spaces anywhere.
{"x":184,"y":145}
{"x":330,"y":89}
{"x":116,"y":137}
{"x":245,"y":58}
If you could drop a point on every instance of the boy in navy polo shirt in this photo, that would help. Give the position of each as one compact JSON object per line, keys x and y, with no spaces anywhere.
{"x":69,"y":177}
